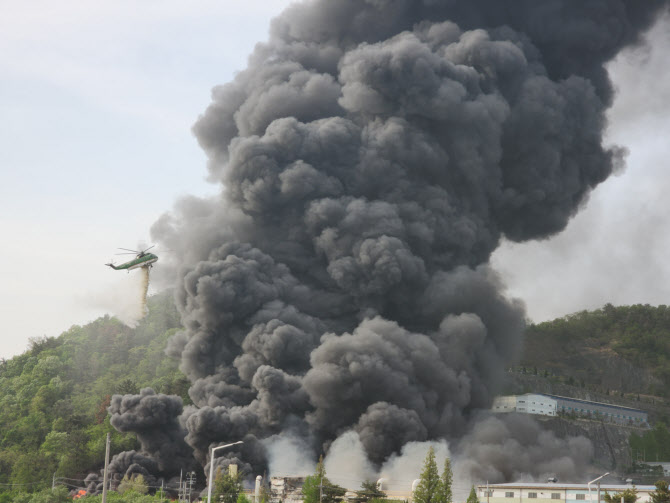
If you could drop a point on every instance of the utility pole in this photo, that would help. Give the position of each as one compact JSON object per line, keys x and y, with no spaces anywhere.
{"x":106,"y":474}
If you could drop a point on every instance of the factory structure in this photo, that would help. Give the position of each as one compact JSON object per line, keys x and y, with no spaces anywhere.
{"x":554,"y":405}
{"x":554,"y":492}
{"x":289,"y":490}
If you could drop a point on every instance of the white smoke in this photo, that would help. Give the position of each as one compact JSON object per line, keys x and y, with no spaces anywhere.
{"x":346,"y":463}
{"x":289,"y":455}
{"x":400,"y":470}
{"x":125,"y":298}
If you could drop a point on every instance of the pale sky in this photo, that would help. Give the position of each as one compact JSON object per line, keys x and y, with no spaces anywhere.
{"x":98,"y":99}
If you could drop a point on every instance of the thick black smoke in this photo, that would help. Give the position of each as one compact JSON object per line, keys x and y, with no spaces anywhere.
{"x":155,"y":420}
{"x":371,"y":157}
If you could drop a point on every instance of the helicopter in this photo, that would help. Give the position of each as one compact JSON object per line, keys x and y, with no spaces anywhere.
{"x":142,"y":259}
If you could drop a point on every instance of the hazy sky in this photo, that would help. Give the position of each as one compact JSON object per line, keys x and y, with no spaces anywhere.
{"x":97,"y":102}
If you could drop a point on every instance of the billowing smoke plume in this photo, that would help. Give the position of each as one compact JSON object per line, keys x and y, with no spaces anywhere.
{"x":371,"y":157}
{"x":154,"y":419}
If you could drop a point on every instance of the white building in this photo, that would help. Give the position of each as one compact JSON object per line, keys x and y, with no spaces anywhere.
{"x":554,"y":492}
{"x":530,"y":403}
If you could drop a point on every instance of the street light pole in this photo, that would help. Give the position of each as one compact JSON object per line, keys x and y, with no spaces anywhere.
{"x":211,"y":468}
{"x":596,"y":480}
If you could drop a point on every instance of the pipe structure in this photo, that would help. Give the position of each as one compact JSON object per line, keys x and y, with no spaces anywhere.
{"x":257,"y":491}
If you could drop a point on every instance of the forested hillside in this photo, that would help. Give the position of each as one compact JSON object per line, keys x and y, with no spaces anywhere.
{"x":54,"y":397}
{"x":623,"y":349}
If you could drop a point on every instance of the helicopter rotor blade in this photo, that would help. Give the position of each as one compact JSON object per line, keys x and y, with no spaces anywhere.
{"x":144,"y":251}
{"x":126,"y":249}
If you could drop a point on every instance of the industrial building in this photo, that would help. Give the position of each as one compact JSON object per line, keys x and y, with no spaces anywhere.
{"x":553,"y":492}
{"x":553,"y":405}
{"x":528,"y":404}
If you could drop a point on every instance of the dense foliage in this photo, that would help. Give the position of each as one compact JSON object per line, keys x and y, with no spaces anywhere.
{"x":638,"y":334}
{"x":652,"y":445}
{"x":54,"y":397}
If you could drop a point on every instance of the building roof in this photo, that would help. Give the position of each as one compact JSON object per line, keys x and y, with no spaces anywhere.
{"x":558,"y":485}
{"x":595,"y":403}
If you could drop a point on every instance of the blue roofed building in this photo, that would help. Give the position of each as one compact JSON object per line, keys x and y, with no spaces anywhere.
{"x":555,"y":405}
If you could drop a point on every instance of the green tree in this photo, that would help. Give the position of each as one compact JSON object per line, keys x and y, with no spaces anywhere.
{"x":653,"y":444}
{"x":127,"y":387}
{"x":628,"y":495}
{"x":242,"y":498}
{"x":227,"y":487}
{"x":134,"y":483}
{"x":369,"y":491}
{"x":129,"y":497}
{"x":472,"y":498}
{"x":60,"y":494}
{"x":429,"y":489}
{"x":446,"y":495}
{"x":318,"y":489}
{"x":661,"y":494}
{"x":31,"y":470}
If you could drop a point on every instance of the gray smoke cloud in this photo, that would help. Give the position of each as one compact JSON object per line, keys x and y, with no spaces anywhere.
{"x":371,"y":157}
{"x":514,"y":447}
